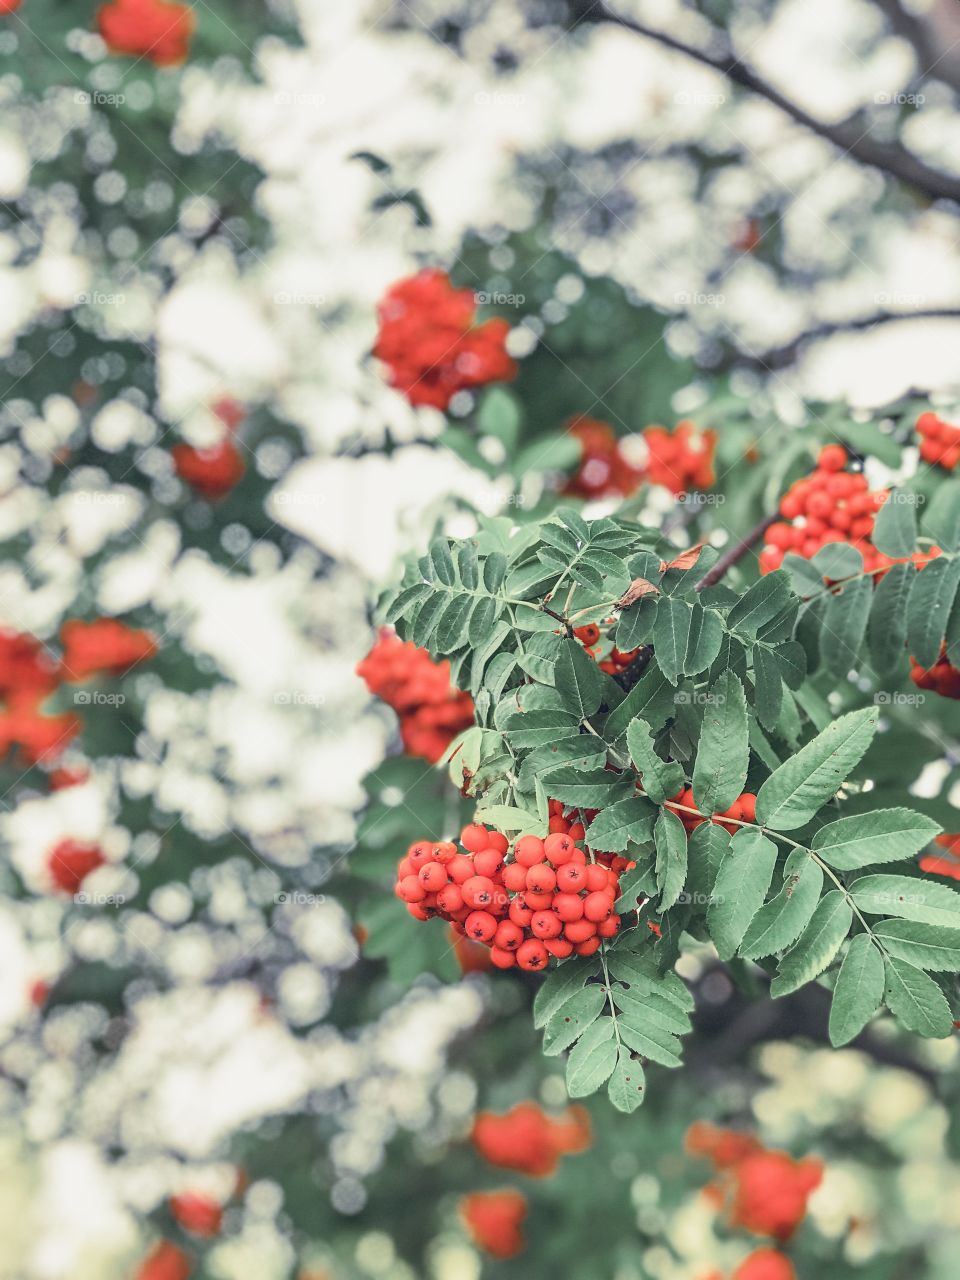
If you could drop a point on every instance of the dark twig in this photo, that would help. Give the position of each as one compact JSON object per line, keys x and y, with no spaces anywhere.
{"x":891,"y":158}
{"x":932,"y":59}
{"x":735,"y":553}
{"x":783,"y":357}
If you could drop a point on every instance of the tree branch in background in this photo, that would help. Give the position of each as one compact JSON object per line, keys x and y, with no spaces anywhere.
{"x":735,"y":553}
{"x":786,"y":355}
{"x":932,"y":59}
{"x":891,"y":158}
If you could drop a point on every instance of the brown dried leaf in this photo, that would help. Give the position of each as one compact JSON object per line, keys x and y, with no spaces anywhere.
{"x":685,"y":560}
{"x":637,"y":589}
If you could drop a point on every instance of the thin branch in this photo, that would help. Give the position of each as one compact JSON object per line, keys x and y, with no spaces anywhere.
{"x":735,"y":553}
{"x":784,"y":356}
{"x":891,"y":158}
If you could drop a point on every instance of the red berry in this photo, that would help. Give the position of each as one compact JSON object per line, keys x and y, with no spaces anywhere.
{"x":478,"y":891}
{"x":502,"y":959}
{"x":520,"y":913}
{"x":488,"y":862}
{"x":748,"y":807}
{"x":568,"y":906}
{"x":559,"y":848}
{"x":571,"y":877}
{"x":474,"y":837}
{"x":596,"y":878}
{"x":559,"y":947}
{"x":411,"y":890}
{"x":532,"y":955}
{"x":450,"y":899}
{"x":529,"y":851}
{"x":481,"y":926}
{"x":432,"y":876}
{"x":546,"y":924}
{"x":541,"y":878}
{"x":514,"y":877}
{"x":420,"y":853}
{"x":537,"y":901}
{"x":508,"y":936}
{"x":609,"y":928}
{"x":579,"y":930}
{"x":496,"y":840}
{"x":597,"y":906}
{"x":833,"y":457}
{"x":460,"y":869}
{"x":588,"y":947}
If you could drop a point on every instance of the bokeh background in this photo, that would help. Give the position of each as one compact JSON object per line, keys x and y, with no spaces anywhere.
{"x":236,"y":1010}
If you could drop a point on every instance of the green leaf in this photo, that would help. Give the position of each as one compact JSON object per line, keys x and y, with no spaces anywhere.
{"x":928,"y":946}
{"x":908,"y":898}
{"x":780,"y":921}
{"x":895,"y":528}
{"x":482,"y":618}
{"x":867,"y":839}
{"x":740,"y":888}
{"x":768,"y":687}
{"x":661,"y":779}
{"x":559,"y":985}
{"x":670,"y":841}
{"x":941,"y":520}
{"x":592,"y":1059}
{"x":762,"y":602}
{"x":585,"y":788}
{"x":816,"y":946}
{"x":570,"y":1021}
{"x":577,"y":679}
{"x":671,"y":634}
{"x":451,"y":628}
{"x":535,"y":728}
{"x":845,"y":625}
{"x":625,"y":821}
{"x":494,"y":570}
{"x":887,"y":628}
{"x":636,"y":623}
{"x":507,"y":817}
{"x":858,"y":992}
{"x":723,"y":753}
{"x":441,"y":562}
{"x":916,"y":1000}
{"x":928,"y":609}
{"x":705,"y":851}
{"x":793,"y":793}
{"x":650,"y":1023}
{"x":704,"y":640}
{"x":791,"y":658}
{"x":469,"y":565}
{"x":627,"y":1084}
{"x":651,"y":697}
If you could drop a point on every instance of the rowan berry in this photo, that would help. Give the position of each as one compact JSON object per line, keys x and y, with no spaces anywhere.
{"x":571,"y":877}
{"x":576,"y":831}
{"x":558,"y":848}
{"x":488,"y":862}
{"x":460,"y":869}
{"x":502,"y":959}
{"x":444,"y":851}
{"x":546,"y":924}
{"x":595,"y":878}
{"x":833,"y":457}
{"x":514,"y":877}
{"x":450,"y":899}
{"x":508,"y":935}
{"x":597,"y":906}
{"x":589,"y":634}
{"x":541,"y":878}
{"x":417,"y":911}
{"x":609,"y":928}
{"x":474,"y":837}
{"x":558,"y":825}
{"x":537,"y":901}
{"x":420,"y":853}
{"x":405,"y":868}
{"x":519,"y":912}
{"x":478,"y":891}
{"x":432,"y":876}
{"x":579,"y":930}
{"x":529,"y":851}
{"x":559,"y":947}
{"x":748,"y":806}
{"x":411,"y":890}
{"x":497,"y":840}
{"x":532,"y":955}
{"x":587,"y":948}
{"x":481,"y":926}
{"x":568,"y":906}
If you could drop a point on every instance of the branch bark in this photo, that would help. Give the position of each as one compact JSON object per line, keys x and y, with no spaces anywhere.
{"x":932,"y":60}
{"x":891,"y":158}
{"x":735,"y":553}
{"x":784,"y":356}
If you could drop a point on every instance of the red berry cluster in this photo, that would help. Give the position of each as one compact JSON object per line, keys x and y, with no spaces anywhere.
{"x":494,"y":1220}
{"x":942,"y":678}
{"x":528,"y":1140}
{"x":27,"y":677}
{"x":197,"y":1213}
{"x":681,"y":459}
{"x":105,"y":646}
{"x":431,"y":712}
{"x":430,"y":341}
{"x":213,"y":472}
{"x":743,"y":808}
{"x":617,"y":660}
{"x":603,"y":470}
{"x":157,"y":30}
{"x":830,"y":505}
{"x":946,"y":863}
{"x":941,"y":441}
{"x":548,"y":900}
{"x":165,"y":1262}
{"x":70,"y":862}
